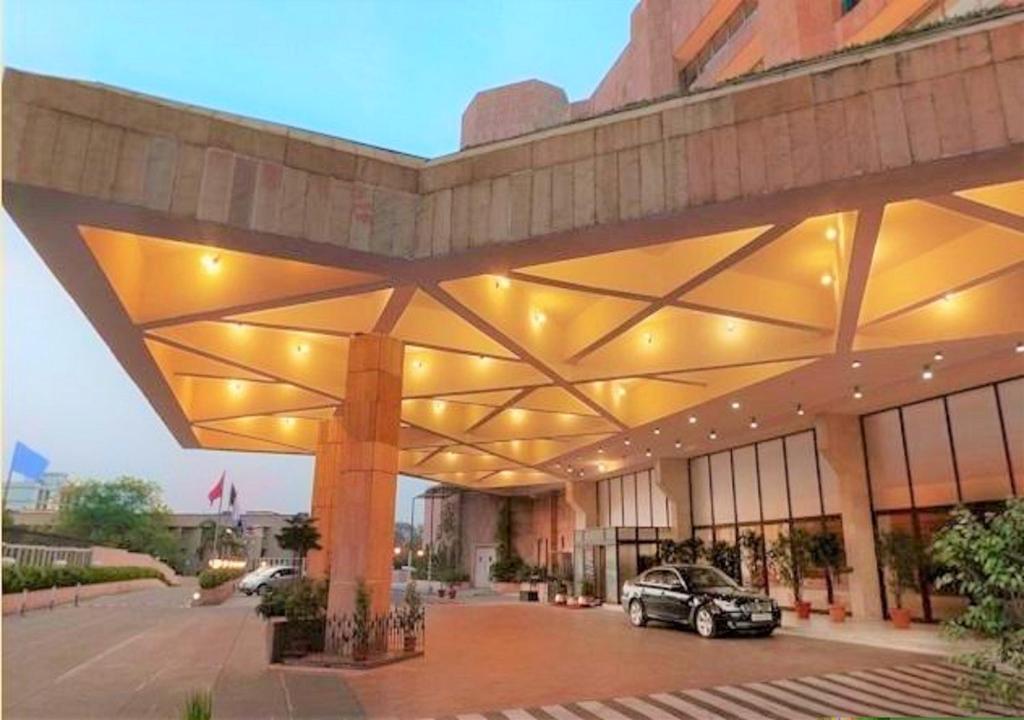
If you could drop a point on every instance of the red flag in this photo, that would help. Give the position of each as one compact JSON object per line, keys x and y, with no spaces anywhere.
{"x":217,"y":490}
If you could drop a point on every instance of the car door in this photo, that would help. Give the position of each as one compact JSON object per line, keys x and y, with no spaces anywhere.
{"x":652,"y":588}
{"x":676,"y":598}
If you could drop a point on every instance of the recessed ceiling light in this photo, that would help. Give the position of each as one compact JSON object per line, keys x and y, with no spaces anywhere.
{"x":289,"y":421}
{"x":855,"y":364}
{"x":211,"y":263}
{"x":657,"y":431}
{"x":601,"y":450}
{"x":301,"y":349}
{"x":753,"y":423}
{"x":1020,"y":347}
{"x":831,"y":233}
{"x":799,"y":409}
{"x":600,"y":467}
{"x":647,"y":452}
{"x":926,"y":373}
{"x":938,"y":356}
{"x":693,"y":419}
{"x":826,"y":279}
{"x":712,"y":435}
{"x":236,"y":386}
{"x":857,"y":394}
{"x":558,"y":466}
{"x":735,"y":404}
{"x":948,"y":297}
{"x":730,"y":326}
{"x":418,"y":364}
{"x":626,"y":441}
{"x":679,"y":444}
{"x":501,"y":282}
{"x":649,"y":338}
{"x":539,"y":318}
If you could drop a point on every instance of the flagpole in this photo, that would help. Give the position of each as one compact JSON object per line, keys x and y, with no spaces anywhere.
{"x":7,"y":484}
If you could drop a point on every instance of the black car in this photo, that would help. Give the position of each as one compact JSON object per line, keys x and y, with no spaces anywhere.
{"x":700,"y":596}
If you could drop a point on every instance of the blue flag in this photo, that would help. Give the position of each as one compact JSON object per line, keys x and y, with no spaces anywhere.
{"x":28,"y":462}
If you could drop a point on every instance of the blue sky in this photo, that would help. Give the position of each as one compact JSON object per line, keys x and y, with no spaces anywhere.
{"x":393,"y":73}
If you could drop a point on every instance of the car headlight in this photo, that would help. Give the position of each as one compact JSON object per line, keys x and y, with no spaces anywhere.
{"x":726,"y":605}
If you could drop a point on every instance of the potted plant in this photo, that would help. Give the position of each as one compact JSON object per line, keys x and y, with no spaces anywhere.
{"x":753,"y":554}
{"x":826,"y":552}
{"x":790,"y":560}
{"x":586,"y":593}
{"x":361,"y":623}
{"x":411,"y":616}
{"x":901,"y":555}
{"x":558,"y":585}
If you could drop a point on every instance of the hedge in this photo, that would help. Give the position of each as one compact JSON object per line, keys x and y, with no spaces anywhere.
{"x":211,"y":578}
{"x":34,"y":577}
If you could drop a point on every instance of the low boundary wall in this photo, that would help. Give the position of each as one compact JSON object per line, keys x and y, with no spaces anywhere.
{"x":36,"y":599}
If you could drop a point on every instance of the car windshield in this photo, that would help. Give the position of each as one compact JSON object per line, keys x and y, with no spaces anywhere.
{"x":708,"y":578}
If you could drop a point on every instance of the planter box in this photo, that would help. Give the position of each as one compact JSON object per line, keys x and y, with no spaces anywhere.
{"x":216,"y":595}
{"x":505,"y":588}
{"x":63,"y":596}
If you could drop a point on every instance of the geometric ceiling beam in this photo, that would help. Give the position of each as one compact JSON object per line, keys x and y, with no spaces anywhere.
{"x":762,"y":240}
{"x":434,"y":452}
{"x":647,"y":298}
{"x":226,"y":311}
{"x":978,"y":211}
{"x":962,"y":287}
{"x":396,"y":305}
{"x":275,"y":413}
{"x":752,"y":317}
{"x":865,"y":238}
{"x":515,"y":348}
{"x":470,"y":444}
{"x":443,"y":395}
{"x":501,"y":408}
{"x":227,"y":361}
{"x":211,"y":376}
{"x":657,"y":374}
{"x":304,"y":451}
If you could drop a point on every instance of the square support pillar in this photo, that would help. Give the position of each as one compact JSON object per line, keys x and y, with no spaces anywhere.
{"x":330,"y":448}
{"x":841,"y":445}
{"x":582,"y":498}
{"x":362,"y":534}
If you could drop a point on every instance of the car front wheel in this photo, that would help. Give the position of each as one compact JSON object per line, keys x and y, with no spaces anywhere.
{"x":704,"y":622}
{"x":637,"y":616}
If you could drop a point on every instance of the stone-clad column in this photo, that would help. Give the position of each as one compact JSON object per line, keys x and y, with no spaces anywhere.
{"x":362,"y":535}
{"x":330,"y":448}
{"x":840,"y":443}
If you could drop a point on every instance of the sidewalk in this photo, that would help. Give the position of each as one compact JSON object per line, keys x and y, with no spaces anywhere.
{"x":919,"y":637}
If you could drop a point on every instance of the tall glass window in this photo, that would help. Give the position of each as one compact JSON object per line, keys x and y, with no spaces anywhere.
{"x":980,"y":451}
{"x":887,"y":465}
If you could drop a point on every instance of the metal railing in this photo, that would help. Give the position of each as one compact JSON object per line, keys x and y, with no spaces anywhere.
{"x":397,"y":632}
{"x":46,"y":555}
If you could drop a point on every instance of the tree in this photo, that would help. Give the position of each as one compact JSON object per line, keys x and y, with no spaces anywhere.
{"x":790,"y":559}
{"x":983,"y":558}
{"x":299,"y":535}
{"x":901,"y":554}
{"x":827,"y":552}
{"x":126,"y":512}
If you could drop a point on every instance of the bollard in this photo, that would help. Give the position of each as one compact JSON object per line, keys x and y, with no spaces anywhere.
{"x":53,"y":596}
{"x":78,"y":588}
{"x":24,"y":601}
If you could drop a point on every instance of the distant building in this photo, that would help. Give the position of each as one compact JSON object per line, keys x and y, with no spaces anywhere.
{"x":42,"y":495}
{"x":257,"y":530}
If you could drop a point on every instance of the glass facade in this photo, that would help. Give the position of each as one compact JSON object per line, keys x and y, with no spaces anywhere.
{"x":761,"y":491}
{"x":926,"y":457}
{"x":634,"y":515}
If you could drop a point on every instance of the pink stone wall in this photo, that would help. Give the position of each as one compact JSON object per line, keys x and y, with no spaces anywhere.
{"x":512,"y":110}
{"x":66,"y":595}
{"x":114,"y":557}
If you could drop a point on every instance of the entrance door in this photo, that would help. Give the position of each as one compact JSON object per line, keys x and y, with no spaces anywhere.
{"x":482,"y":567}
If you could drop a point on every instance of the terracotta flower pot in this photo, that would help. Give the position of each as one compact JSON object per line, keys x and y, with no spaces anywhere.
{"x":803,"y":610}
{"x":837,"y":613}
{"x":900,"y":618}
{"x":451,"y":593}
{"x":559,"y":599}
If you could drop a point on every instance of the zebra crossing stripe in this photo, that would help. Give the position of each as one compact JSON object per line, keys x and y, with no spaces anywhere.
{"x":804,"y":688}
{"x":518,"y":715}
{"x":934,"y":702}
{"x":646,"y":709}
{"x":688,"y":709}
{"x":783,"y":711}
{"x":861,"y":696}
{"x":949,"y":687}
{"x":602,"y":711}
{"x":730,"y":707}
{"x":560,"y":713}
{"x":802,"y":700}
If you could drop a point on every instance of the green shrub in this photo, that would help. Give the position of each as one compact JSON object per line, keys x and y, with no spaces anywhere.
{"x":212,"y":577}
{"x":32,"y":577}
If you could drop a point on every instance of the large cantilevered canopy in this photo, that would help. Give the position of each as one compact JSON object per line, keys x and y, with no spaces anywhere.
{"x":573,"y":350}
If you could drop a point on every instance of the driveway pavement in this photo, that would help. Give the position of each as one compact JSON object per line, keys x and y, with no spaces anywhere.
{"x":139,"y":655}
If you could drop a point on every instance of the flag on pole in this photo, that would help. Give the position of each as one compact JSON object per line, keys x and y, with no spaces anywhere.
{"x":233,"y":505}
{"x":28,"y":462}
{"x":217,"y":491}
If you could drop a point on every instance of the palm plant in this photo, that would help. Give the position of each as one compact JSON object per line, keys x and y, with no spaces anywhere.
{"x":299,"y":535}
{"x":790,"y":559}
{"x":198,"y":706}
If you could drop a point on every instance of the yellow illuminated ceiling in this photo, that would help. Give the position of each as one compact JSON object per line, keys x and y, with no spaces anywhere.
{"x":509,"y":377}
